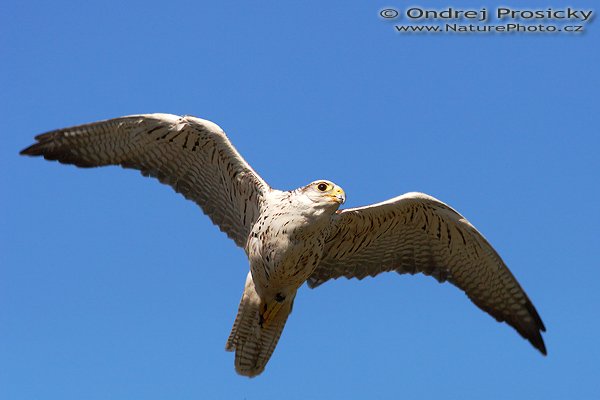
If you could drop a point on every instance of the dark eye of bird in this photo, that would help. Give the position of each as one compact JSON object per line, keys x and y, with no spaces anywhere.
{"x":322,"y":187}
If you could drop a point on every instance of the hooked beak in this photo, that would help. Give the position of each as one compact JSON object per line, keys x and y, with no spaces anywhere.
{"x":339,"y":195}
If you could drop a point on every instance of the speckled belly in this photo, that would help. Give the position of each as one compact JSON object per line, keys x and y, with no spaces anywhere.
{"x":282,"y":263}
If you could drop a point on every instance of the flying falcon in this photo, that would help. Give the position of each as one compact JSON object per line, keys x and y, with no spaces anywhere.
{"x":297,"y":236}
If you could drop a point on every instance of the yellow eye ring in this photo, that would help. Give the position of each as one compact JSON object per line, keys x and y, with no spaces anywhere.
{"x":322,"y":187}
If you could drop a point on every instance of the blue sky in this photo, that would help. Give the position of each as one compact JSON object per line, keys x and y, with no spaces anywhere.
{"x":114,"y":287}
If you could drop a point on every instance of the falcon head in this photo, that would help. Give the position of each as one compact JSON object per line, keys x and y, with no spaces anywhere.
{"x":325,"y":193}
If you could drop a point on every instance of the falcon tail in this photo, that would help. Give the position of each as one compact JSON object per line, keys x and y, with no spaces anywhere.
{"x":253,"y":338}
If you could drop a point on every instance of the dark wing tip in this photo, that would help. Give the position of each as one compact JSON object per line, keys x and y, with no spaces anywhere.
{"x":535,"y":335}
{"x":537,"y":341}
{"x":40,"y":148}
{"x":33,"y":150}
{"x":530,"y":329}
{"x":47,"y":147}
{"x":542,"y":347}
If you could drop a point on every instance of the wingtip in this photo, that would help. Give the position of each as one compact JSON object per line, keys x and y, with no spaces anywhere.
{"x":43,"y":144}
{"x":33,"y":150}
{"x":541,"y":346}
{"x":537,"y":341}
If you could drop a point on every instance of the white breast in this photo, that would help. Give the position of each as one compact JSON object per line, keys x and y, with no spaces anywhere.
{"x":286,"y":244}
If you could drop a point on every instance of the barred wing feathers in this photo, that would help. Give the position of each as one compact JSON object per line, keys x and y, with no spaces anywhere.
{"x":417,"y":233}
{"x":191,"y":155}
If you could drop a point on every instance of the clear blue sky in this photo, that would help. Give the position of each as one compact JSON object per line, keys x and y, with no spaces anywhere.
{"x":114,"y":287}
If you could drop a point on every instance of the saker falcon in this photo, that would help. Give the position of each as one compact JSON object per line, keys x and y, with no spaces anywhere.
{"x":292,"y":237}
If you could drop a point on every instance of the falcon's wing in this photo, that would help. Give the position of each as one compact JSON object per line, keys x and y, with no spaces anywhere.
{"x":417,"y":233}
{"x":190,"y":154}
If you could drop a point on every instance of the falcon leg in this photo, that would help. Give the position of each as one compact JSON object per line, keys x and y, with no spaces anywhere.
{"x":269,"y":312}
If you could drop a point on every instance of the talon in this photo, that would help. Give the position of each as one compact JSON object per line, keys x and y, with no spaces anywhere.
{"x":270,"y":313}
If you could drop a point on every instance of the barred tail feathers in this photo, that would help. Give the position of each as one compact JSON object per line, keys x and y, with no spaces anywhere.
{"x":253,"y":339}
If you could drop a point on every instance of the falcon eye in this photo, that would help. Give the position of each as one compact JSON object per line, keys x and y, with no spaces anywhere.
{"x":322,"y":187}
